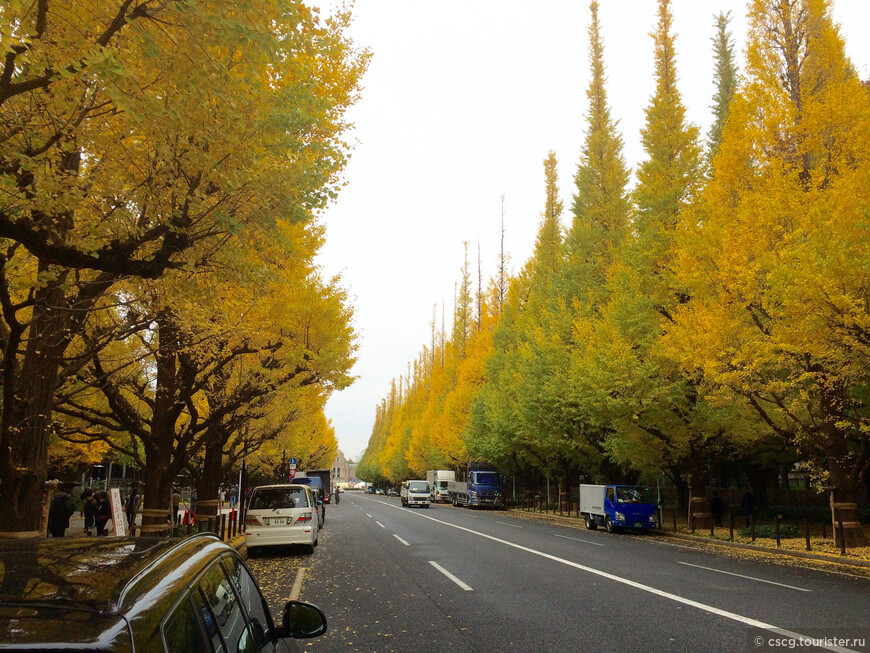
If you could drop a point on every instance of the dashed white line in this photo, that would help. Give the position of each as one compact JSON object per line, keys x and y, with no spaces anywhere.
{"x":577,"y":539}
{"x":758,"y":580}
{"x":504,"y":523}
{"x":368,"y":515}
{"x":467,"y":588}
{"x":380,"y":524}
{"x":401,"y":540}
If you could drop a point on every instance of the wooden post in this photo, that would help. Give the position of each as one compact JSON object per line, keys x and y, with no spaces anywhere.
{"x":842,"y":537}
{"x":778,"y":542}
{"x":731,"y":524}
{"x":807,"y":532}
{"x":223,"y":526}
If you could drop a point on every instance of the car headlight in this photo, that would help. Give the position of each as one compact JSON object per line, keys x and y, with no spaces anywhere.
{"x":618,"y":516}
{"x":652,"y":518}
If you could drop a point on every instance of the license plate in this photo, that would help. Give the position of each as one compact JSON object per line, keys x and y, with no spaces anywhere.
{"x":277,"y":521}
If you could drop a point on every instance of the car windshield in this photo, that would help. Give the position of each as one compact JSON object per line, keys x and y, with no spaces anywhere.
{"x":442,"y":485}
{"x":634,"y":495}
{"x":418,"y":486}
{"x":484,"y":478}
{"x":271,"y":498}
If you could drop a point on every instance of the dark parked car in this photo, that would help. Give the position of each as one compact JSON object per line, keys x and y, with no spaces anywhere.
{"x":140,"y":594}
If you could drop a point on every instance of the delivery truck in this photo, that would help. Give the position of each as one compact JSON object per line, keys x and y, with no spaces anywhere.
{"x":415,"y":493}
{"x":325,"y":484}
{"x":617,"y":507}
{"x":480,"y":489}
{"x":438,"y":480}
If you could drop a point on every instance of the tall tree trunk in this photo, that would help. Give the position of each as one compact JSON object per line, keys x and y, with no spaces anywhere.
{"x":26,"y":421}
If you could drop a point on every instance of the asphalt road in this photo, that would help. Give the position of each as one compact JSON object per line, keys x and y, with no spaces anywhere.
{"x":451,"y":579}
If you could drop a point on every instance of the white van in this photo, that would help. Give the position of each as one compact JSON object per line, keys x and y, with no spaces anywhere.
{"x":281,"y":515}
{"x":415,"y":493}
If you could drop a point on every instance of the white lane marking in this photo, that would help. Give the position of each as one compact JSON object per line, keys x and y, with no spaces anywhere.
{"x":297,"y":584}
{"x":401,"y":540}
{"x":577,"y":539}
{"x":380,"y":524}
{"x":759,"y":580}
{"x":467,"y":588}
{"x":368,"y":515}
{"x":749,"y":621}
{"x":504,"y":523}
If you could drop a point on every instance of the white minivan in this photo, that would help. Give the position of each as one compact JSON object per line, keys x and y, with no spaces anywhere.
{"x":415,"y":493}
{"x":282,"y":515}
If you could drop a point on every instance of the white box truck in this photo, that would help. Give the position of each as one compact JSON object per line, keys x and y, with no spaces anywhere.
{"x":438,"y":480}
{"x":415,"y":493}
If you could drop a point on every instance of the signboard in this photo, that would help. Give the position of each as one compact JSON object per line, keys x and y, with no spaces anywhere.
{"x":292,"y":474}
{"x":119,"y":519}
{"x":293,"y":462}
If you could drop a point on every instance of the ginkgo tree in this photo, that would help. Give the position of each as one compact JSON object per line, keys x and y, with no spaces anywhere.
{"x":139,"y":137}
{"x":776,"y":252}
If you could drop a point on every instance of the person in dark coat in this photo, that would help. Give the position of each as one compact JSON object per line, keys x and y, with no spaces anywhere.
{"x":131,"y":505}
{"x":747,"y":505}
{"x":60,"y":510}
{"x":102,"y":513}
{"x":717,"y":508}
{"x":89,"y":504}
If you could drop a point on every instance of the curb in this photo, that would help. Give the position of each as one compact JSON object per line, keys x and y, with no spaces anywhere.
{"x":764,"y":549}
{"x":849,"y":562}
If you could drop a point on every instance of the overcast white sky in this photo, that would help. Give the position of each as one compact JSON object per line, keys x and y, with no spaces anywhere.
{"x":461,"y":104}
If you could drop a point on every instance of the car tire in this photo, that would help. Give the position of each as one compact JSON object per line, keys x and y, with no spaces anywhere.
{"x":609,"y":525}
{"x":309,"y":548}
{"x":590,"y":523}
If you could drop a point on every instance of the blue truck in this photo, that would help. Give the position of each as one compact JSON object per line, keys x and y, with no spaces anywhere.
{"x":480,"y":489}
{"x":618,"y":507}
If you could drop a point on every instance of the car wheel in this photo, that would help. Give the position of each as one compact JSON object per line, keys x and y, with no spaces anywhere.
{"x":590,"y":523}
{"x":317,"y":541}
{"x":609,"y":525}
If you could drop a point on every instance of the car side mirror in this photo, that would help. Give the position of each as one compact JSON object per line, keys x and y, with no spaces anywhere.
{"x":302,"y":620}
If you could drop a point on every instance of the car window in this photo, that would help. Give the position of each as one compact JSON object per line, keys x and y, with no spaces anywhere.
{"x":253,"y":602}
{"x":208,"y":620}
{"x":610,"y":495}
{"x":278,"y":497}
{"x":182,"y":632}
{"x":225,"y":608}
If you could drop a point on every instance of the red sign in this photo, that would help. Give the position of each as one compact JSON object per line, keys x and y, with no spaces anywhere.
{"x":292,"y":474}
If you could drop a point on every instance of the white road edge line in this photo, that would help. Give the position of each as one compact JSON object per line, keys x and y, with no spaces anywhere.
{"x":577,"y":539}
{"x":759,"y":580}
{"x":504,"y":523}
{"x":380,"y":524}
{"x":749,"y":621}
{"x":467,"y":588}
{"x":297,"y":584}
{"x":401,"y":540}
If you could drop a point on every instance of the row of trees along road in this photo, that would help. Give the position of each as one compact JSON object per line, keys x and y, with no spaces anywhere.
{"x":161,"y":163}
{"x":716,"y":312}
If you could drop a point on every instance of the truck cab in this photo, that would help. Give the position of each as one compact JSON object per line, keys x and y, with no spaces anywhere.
{"x":415,"y":493}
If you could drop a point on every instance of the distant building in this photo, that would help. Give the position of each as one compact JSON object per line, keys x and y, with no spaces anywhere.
{"x":343,"y":470}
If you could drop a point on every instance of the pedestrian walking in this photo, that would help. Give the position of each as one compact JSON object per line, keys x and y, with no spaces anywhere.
{"x":89,"y":505}
{"x":60,"y":510}
{"x":176,"y":505}
{"x":337,"y":494}
{"x":102,"y":513}
{"x":193,"y":505}
{"x":132,"y":505}
{"x":234,"y":496}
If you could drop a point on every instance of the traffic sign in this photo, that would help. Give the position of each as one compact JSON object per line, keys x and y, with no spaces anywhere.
{"x":292,"y":465}
{"x":292,"y":474}
{"x":293,"y":462}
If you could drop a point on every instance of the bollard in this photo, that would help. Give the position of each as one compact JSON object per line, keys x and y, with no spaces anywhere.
{"x":712,"y":525}
{"x":807,"y":532}
{"x":674,"y":515}
{"x":223,"y":526}
{"x":731,"y":525}
{"x":776,"y":523}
